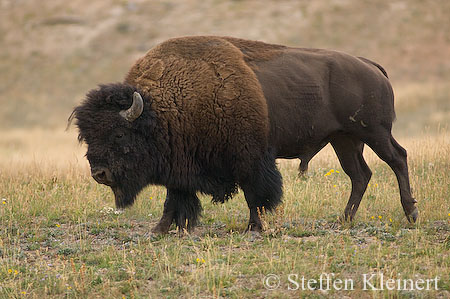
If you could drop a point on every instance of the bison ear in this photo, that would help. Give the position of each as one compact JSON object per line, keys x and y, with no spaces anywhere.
{"x":109,"y":99}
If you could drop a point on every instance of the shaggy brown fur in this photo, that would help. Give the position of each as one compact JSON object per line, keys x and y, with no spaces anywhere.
{"x":202,"y":89}
{"x":219,"y":110}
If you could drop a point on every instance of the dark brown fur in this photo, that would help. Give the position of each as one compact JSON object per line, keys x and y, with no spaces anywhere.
{"x":203,"y":89}
{"x":219,"y":110}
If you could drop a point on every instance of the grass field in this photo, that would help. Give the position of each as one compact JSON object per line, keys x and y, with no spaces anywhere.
{"x":60,"y":235}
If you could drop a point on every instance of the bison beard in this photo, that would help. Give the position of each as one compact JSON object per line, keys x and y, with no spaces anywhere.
{"x":209,"y":114}
{"x":125,"y":195}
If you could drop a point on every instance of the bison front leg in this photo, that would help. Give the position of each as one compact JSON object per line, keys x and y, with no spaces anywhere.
{"x":255,"y":223}
{"x":182,"y":207}
{"x":263,"y":191}
{"x":167,"y":218}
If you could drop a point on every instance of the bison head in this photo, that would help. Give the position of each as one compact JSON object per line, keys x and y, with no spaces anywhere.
{"x":117,"y":125}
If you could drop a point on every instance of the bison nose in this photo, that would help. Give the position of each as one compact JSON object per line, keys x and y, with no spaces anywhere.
{"x":102,"y":175}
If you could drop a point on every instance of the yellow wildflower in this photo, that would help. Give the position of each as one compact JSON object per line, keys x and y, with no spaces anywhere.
{"x":390,"y":219}
{"x":10,"y":270}
{"x":380,"y":217}
{"x":337,"y":171}
{"x":373,"y":217}
{"x":57,"y":225}
{"x":334,"y":186}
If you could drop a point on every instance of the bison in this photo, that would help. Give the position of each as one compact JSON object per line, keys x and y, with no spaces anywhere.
{"x":210,"y":114}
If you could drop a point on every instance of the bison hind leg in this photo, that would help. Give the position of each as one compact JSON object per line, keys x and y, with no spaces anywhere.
{"x":390,"y":151}
{"x":262,"y":190}
{"x":350,"y":154}
{"x":303,"y":168}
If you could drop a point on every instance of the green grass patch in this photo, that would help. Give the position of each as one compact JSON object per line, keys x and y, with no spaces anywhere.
{"x":60,"y":236}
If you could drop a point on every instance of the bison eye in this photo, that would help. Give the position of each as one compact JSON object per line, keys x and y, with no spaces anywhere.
{"x":119,"y":136}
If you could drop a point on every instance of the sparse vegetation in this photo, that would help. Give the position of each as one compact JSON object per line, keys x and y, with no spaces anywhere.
{"x":61,"y":236}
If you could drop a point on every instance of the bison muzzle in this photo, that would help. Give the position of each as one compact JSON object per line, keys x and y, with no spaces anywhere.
{"x":211,"y":114}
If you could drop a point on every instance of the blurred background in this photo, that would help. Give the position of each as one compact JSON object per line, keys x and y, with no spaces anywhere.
{"x":52,"y":52}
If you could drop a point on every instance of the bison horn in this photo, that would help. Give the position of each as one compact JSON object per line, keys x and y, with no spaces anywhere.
{"x":136,"y":108}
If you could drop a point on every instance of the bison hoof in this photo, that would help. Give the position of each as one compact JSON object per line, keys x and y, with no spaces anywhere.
{"x":160,"y":229}
{"x":412,"y":218}
{"x":183,"y":230}
{"x":346,"y":218}
{"x":254,"y":227}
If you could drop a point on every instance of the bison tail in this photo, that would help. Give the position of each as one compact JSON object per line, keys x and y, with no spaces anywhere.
{"x":375,"y":64}
{"x":264,"y":187}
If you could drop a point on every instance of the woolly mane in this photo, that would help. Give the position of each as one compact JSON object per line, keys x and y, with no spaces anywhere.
{"x":209,"y":102}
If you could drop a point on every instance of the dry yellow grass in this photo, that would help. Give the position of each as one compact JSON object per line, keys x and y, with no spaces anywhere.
{"x":60,"y":235}
{"x":45,"y":154}
{"x":58,"y":150}
{"x":40,"y":150}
